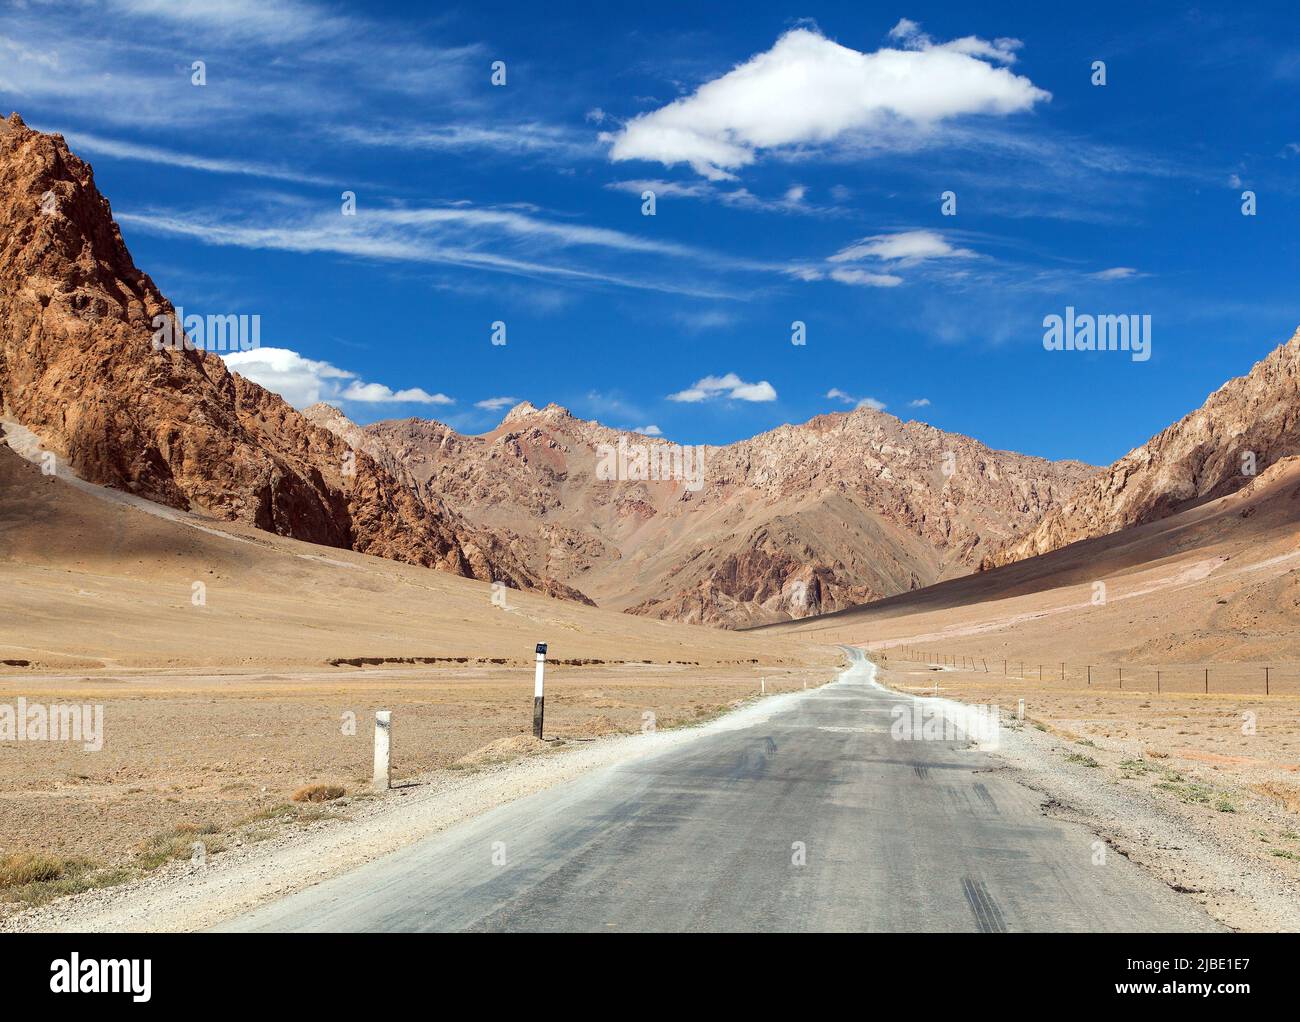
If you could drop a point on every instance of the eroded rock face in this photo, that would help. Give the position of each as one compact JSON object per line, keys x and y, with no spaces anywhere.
{"x":79,"y":367}
{"x":1245,"y":426}
{"x":843,"y":509}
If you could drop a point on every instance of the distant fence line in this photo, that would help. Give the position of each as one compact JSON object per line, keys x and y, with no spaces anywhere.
{"x":1226,"y":679}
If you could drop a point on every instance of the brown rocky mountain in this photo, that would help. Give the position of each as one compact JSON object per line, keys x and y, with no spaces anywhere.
{"x":79,"y":367}
{"x":805,"y":519}
{"x":1244,"y":427}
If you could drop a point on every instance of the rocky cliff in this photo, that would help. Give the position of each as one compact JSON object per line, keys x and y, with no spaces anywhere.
{"x":79,"y":367}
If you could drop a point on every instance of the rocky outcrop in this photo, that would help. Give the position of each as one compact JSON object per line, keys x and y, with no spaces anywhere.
{"x":79,"y":367}
{"x":1245,"y":426}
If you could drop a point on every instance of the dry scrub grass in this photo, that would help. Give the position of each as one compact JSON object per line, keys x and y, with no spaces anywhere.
{"x":317,"y":793}
{"x":34,"y":878}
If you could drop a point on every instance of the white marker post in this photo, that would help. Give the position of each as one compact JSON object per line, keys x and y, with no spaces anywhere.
{"x":1020,"y":710}
{"x":383,"y":728}
{"x":762,"y":686}
{"x":539,"y":700}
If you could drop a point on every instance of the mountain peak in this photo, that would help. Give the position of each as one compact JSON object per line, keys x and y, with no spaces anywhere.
{"x":526,"y":409}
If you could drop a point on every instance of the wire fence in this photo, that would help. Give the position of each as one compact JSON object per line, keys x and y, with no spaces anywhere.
{"x":1281,"y":678}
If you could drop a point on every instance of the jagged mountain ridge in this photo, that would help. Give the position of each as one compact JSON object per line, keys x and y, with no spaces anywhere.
{"x":837,"y":511}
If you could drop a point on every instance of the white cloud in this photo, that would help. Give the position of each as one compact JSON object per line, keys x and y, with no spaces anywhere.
{"x":495,"y":404}
{"x":906,"y":247}
{"x":377,"y":393}
{"x":305,"y":381}
{"x":807,"y":90}
{"x":920,"y":402}
{"x":909,"y":34}
{"x":835,"y":394}
{"x":728,"y":386}
{"x":864,"y":279}
{"x":902,"y":249}
{"x":649,"y":431}
{"x":1116,"y":273}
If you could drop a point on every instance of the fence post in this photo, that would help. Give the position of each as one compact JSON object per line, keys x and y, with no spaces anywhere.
{"x":1157,"y":682}
{"x":1090,"y":674}
{"x":1207,"y":681}
{"x":1265,"y":681}
{"x":383,"y":729}
{"x":1062,"y":672}
{"x":1121,"y":679}
{"x":539,"y":700}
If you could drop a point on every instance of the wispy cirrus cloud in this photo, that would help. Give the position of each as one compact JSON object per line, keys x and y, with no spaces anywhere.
{"x":530,"y":138}
{"x":494,"y":238}
{"x":97,"y":145}
{"x":792,"y":201}
{"x":495,"y":404}
{"x":57,"y":57}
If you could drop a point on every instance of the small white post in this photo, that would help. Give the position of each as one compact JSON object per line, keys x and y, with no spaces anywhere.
{"x":539,"y":700}
{"x":1020,"y":711}
{"x":762,"y":686}
{"x":383,"y":729}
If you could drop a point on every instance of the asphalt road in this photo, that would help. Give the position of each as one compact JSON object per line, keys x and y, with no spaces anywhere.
{"x":896,"y":835}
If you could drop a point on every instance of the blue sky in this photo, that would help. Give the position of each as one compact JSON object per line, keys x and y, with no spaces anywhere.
{"x":798,"y":156}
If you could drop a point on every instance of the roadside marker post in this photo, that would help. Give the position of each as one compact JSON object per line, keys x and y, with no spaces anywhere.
{"x":1020,"y":711}
{"x":539,"y":700}
{"x":383,"y":730}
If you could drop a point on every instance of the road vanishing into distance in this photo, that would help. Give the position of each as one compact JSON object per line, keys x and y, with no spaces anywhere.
{"x":811,"y":819}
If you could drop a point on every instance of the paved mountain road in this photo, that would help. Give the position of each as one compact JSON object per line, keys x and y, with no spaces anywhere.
{"x":895,"y":835}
